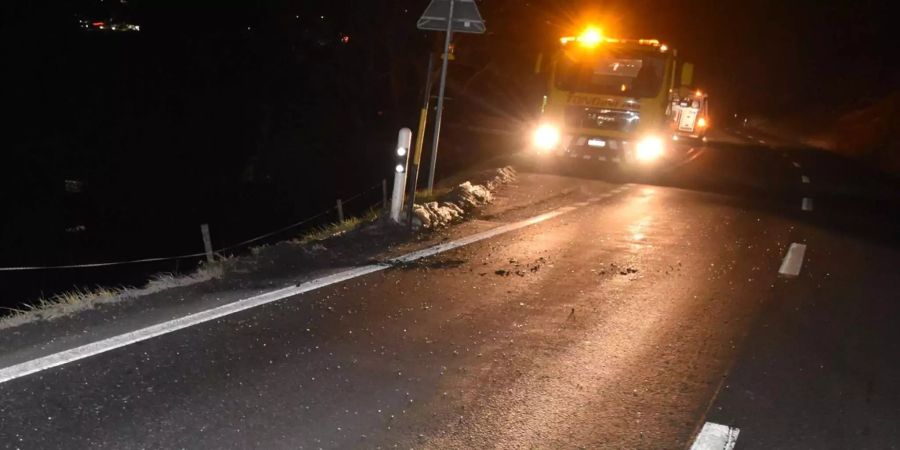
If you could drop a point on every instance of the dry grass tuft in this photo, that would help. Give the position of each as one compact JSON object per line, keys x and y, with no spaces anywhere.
{"x":336,"y":229}
{"x":85,"y":299}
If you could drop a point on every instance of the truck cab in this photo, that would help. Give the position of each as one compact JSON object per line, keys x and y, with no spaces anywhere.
{"x":610,"y":100}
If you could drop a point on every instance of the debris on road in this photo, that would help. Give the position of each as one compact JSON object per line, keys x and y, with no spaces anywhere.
{"x":462,"y":199}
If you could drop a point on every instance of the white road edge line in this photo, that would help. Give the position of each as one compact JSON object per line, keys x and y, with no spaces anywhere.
{"x":95,"y":348}
{"x":796,"y":164}
{"x":716,"y":437}
{"x":793,"y":260}
{"x":804,"y":179}
{"x":807,"y":204}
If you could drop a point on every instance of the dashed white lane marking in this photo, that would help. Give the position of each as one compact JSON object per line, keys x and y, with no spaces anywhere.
{"x":795,"y":164}
{"x":761,"y":141}
{"x":793,"y":260}
{"x":716,"y":437}
{"x":804,"y":179}
{"x":580,"y":204}
{"x":807,"y":204}
{"x":143,"y":334}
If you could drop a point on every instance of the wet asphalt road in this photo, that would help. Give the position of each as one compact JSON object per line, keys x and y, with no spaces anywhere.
{"x":653,"y":307}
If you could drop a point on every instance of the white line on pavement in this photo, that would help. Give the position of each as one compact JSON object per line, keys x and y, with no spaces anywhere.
{"x":804,"y":179}
{"x":795,"y":164}
{"x":761,"y":141}
{"x":716,"y":437}
{"x":122,"y":340}
{"x":807,"y":204}
{"x":143,"y":334}
{"x":793,"y":260}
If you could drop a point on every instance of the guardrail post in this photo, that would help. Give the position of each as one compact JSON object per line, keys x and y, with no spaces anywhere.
{"x":340,"y":210}
{"x":207,"y":242}
{"x":401,"y":154}
{"x":384,"y":200}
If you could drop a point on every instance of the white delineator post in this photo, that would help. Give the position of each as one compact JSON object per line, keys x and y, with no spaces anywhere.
{"x":401,"y":157}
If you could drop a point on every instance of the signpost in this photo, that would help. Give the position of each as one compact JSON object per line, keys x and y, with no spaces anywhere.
{"x":461,"y":16}
{"x":420,"y":139}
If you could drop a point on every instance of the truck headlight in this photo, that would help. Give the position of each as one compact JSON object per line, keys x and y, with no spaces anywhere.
{"x":649,"y":149}
{"x":546,"y":137}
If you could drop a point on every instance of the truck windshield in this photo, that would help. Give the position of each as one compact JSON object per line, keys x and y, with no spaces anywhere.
{"x":611,"y":72}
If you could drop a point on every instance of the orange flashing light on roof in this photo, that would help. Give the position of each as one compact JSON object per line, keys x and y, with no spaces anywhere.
{"x":590,"y":37}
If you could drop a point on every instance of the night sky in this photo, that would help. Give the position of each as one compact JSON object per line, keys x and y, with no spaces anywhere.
{"x":763,"y":55}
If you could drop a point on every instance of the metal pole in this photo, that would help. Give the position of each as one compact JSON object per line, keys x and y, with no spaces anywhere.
{"x":420,"y":138}
{"x":384,"y":201}
{"x":340,"y":209}
{"x":207,"y":242}
{"x":440,"y":105}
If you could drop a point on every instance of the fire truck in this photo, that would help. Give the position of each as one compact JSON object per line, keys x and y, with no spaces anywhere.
{"x":626,"y":101}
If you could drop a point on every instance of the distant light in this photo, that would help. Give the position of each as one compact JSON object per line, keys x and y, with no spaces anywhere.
{"x":345,"y":39}
{"x":699,"y":93}
{"x":663,"y":48}
{"x":400,"y":168}
{"x":701,"y":122}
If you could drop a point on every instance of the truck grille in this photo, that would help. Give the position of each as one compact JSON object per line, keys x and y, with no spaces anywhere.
{"x":602,"y":119}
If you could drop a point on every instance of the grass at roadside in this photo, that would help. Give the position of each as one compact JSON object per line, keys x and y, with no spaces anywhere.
{"x":81,"y":299}
{"x":337,"y":228}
